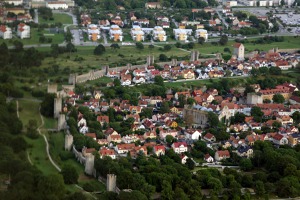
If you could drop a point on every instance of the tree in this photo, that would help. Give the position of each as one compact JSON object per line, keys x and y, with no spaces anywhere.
{"x":190,"y":163}
{"x":18,"y":45}
{"x":201,"y":40}
{"x":167,"y":47}
{"x":165,"y":108}
{"x":151,"y":46}
{"x":77,"y":196}
{"x":163,"y":57}
{"x":278,"y":98}
{"x":215,"y":184}
{"x":47,"y":105}
{"x":158,"y":80}
{"x":257,"y":113}
{"x":167,"y":192}
{"x":115,"y":46}
{"x":117,"y":82}
{"x":70,"y":47}
{"x":259,"y":188}
{"x":213,"y":119}
{"x":139,"y":45}
{"x":246,"y":164}
{"x":99,"y":50}
{"x":223,"y":40}
{"x":4,"y":54}
{"x":135,"y":194}
{"x":69,"y":174}
{"x":296,"y":116}
{"x":169,"y":139}
{"x":68,"y":36}
{"x":52,"y":184}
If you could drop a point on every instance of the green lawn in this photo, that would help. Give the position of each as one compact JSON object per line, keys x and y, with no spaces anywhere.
{"x":35,"y":36}
{"x":57,"y":18}
{"x":50,"y":123}
{"x":29,"y":110}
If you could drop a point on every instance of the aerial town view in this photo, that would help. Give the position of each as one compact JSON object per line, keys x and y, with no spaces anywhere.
{"x":149,"y":99}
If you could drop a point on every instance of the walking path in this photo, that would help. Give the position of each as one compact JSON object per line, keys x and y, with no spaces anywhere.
{"x":47,"y":144}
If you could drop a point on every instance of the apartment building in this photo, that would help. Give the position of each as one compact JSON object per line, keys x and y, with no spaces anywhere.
{"x":116,"y":33}
{"x":137,"y":33}
{"x":159,"y":34}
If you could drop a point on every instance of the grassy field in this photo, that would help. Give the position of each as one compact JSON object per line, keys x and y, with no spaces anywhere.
{"x":29,"y":110}
{"x":34,"y":38}
{"x":57,"y":18}
{"x":37,"y":151}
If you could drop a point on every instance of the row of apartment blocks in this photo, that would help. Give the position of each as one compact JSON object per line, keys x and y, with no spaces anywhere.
{"x":23,"y":31}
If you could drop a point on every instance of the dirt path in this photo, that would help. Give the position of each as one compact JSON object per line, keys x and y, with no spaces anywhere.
{"x":47,"y":144}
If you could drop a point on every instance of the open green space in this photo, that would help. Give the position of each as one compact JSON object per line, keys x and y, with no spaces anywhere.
{"x":29,"y":109}
{"x":35,"y":36}
{"x":57,"y":18}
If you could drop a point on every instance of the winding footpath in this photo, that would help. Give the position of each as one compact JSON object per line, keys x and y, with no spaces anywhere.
{"x":47,"y":144}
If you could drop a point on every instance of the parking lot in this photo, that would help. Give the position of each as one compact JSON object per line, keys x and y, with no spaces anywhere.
{"x":288,"y":19}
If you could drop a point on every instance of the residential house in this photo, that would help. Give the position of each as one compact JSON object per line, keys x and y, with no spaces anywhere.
{"x":93,"y":32}
{"x":55,"y":5}
{"x":102,"y":141}
{"x":294,"y":139}
{"x":245,"y":151}
{"x":285,"y":119}
{"x":91,"y":135}
{"x":116,"y":33}
{"x":114,"y":137}
{"x":139,"y":150}
{"x":153,"y":5}
{"x":126,"y":79}
{"x":192,"y":134}
{"x":180,"y":147}
{"x":135,"y":109}
{"x":283,"y":64}
{"x":209,"y":137}
{"x":124,"y":148}
{"x":182,"y":34}
{"x":130,"y":138}
{"x":23,"y":31}
{"x":184,"y":93}
{"x":201,"y":33}
{"x":150,"y":135}
{"x":208,"y":158}
{"x":164,"y":133}
{"x":188,"y":74}
{"x":183,"y":158}
{"x":279,"y":139}
{"x":5,"y":32}
{"x":104,"y":151}
{"x":159,"y":150}
{"x":137,"y":33}
{"x":220,"y":155}
{"x":159,"y":34}
{"x":103,"y":119}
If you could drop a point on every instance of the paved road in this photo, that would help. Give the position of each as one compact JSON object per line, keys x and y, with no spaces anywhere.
{"x":104,"y":38}
{"x":36,"y":16}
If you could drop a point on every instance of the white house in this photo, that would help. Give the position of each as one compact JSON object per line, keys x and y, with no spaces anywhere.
{"x":23,"y":31}
{"x":138,"y":79}
{"x":192,"y":134}
{"x":159,"y":150}
{"x":201,"y":33}
{"x":137,"y":33}
{"x":14,"y":2}
{"x":179,"y":147}
{"x":183,"y":158}
{"x":182,"y":34}
{"x":115,"y":33}
{"x":81,"y":122}
{"x":208,"y":158}
{"x":5,"y":32}
{"x":93,"y":32}
{"x":57,"y":5}
{"x":159,"y":34}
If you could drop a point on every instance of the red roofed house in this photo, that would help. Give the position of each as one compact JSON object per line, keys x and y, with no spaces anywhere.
{"x":91,"y":135}
{"x":283,"y":64}
{"x":104,"y":151}
{"x":103,"y":119}
{"x":208,"y":158}
{"x":114,"y":137}
{"x":209,"y":137}
{"x":180,"y":147}
{"x":124,"y":148}
{"x":153,"y":5}
{"x":5,"y":32}
{"x":279,"y":139}
{"x":159,"y":150}
{"x":23,"y":31}
{"x":220,"y":155}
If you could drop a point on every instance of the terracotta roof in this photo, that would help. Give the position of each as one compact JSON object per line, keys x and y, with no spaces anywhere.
{"x":178,"y":144}
{"x":224,"y":153}
{"x":237,"y":45}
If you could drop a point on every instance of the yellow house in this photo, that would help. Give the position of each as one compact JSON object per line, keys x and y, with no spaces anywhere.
{"x":188,"y":74}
